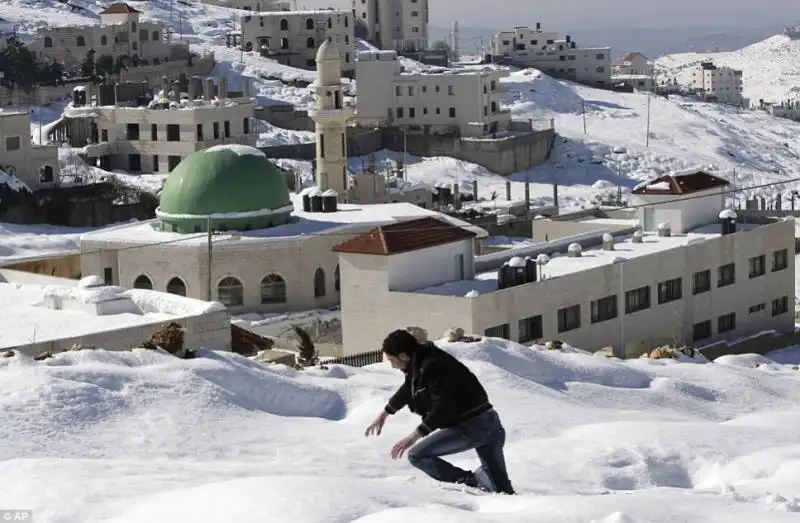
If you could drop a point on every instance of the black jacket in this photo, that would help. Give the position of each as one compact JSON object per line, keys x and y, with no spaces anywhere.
{"x":439,"y":388}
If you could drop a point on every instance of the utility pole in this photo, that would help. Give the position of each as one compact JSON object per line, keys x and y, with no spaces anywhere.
{"x":405,"y":153}
{"x":241,"y":36}
{"x":210,"y":249}
{"x":583,"y":113}
{"x":647,"y":138}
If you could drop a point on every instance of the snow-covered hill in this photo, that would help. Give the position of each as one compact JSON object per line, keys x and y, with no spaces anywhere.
{"x":770,"y":68}
{"x":143,"y":437}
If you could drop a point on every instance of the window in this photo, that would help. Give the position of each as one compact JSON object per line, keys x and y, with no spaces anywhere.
{"x":155,"y":163}
{"x":108,"y":275}
{"x":600,"y":56}
{"x":246,"y":125}
{"x":173,"y":132}
{"x":48,"y":42}
{"x":104,"y":135}
{"x":134,"y":162}
{"x":231,"y":292}
{"x":701,"y":282}
{"x":284,"y":43}
{"x":452,"y":112}
{"x":309,"y":24}
{"x":227,"y":127}
{"x":310,"y":44}
{"x":498,"y":331}
{"x":337,"y":283}
{"x":410,"y":90}
{"x":398,"y":90}
{"x":780,"y":306}
{"x":284,"y":24}
{"x":701,"y":331}
{"x":670,"y":290}
{"x":13,"y":143}
{"x":176,"y":286}
{"x":451,"y":90}
{"x":530,"y":328}
{"x":758,"y":266}
{"x":726,"y":275}
{"x":81,"y":41}
{"x":132,"y":131}
{"x":414,"y":14}
{"x":154,"y":132}
{"x":156,"y":36}
{"x":780,"y":260}
{"x":142,"y":282}
{"x":604,"y":309}
{"x":216,"y":130}
{"x":319,"y":283}
{"x":726,"y":323}
{"x":199,"y":132}
{"x":273,"y":289}
{"x":757,"y":308}
{"x":399,"y":112}
{"x":637,"y":300}
{"x":569,"y":318}
{"x":46,"y":174}
{"x":412,"y":112}
{"x":322,"y":146}
{"x":173,"y":161}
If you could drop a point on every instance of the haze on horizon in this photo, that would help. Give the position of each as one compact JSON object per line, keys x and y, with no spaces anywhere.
{"x":602,"y":14}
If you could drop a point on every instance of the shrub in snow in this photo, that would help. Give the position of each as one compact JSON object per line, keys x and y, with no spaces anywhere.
{"x":307,"y":351}
{"x":7,"y":354}
{"x":170,"y":337}
{"x":457,"y":334}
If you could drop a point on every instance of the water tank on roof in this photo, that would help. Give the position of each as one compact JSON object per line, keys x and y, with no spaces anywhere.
{"x":530,"y":270}
{"x":330,"y":201}
{"x":727,"y":219}
{"x":517,"y":266}
{"x":79,"y":97}
{"x":504,"y":275}
{"x":315,"y":199}
{"x":306,"y":203}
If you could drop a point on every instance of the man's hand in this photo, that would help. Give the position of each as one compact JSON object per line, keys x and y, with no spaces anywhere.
{"x":404,"y":444}
{"x":377,"y":425}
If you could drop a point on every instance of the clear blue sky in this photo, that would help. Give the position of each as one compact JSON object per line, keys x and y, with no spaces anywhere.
{"x":599,"y":14}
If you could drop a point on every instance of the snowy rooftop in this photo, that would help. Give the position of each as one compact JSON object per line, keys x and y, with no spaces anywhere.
{"x":305,"y":224}
{"x":561,"y":265}
{"x":25,"y":318}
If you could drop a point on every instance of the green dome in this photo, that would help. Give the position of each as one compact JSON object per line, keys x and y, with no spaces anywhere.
{"x":235,"y":185}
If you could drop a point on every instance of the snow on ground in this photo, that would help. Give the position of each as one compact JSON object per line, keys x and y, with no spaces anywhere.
{"x":144,"y":437}
{"x":770,"y":68}
{"x":18,"y":242}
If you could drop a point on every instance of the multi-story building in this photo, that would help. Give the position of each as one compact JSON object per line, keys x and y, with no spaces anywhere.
{"x":635,"y":64}
{"x":400,"y":25}
{"x":259,"y":6}
{"x":153,"y":134}
{"x":697,"y":277}
{"x":120,"y":33}
{"x":292,"y":38}
{"x":722,"y":84}
{"x":543,"y":50}
{"x":36,"y":165}
{"x":465,"y":100}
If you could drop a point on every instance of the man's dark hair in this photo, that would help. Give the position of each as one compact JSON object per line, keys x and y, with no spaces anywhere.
{"x":399,"y":342}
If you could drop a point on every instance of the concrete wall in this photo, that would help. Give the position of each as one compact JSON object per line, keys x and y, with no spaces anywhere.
{"x":15,"y":275}
{"x":211,"y":331}
{"x":66,"y":266}
{"x":761,"y":344}
{"x":547,"y":230}
{"x":286,"y":117}
{"x":360,"y":142}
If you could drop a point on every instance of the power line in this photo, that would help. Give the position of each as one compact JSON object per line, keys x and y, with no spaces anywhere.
{"x":516,"y":219}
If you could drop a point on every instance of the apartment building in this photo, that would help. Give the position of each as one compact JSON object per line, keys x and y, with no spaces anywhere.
{"x":292,"y":38}
{"x":463,"y":100}
{"x":259,"y":6}
{"x":634,"y":64}
{"x":561,"y":58}
{"x":36,"y":165}
{"x":703,"y":276}
{"x":722,"y":84}
{"x":400,"y":25}
{"x":120,"y":33}
{"x":125,"y":129}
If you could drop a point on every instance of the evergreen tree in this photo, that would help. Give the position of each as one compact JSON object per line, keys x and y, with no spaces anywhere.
{"x":19,"y":66}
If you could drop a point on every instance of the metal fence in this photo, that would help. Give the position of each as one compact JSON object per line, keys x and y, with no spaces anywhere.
{"x":357,"y":360}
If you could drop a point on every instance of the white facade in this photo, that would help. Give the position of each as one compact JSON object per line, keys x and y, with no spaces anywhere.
{"x":635,"y":64}
{"x":466,"y":100}
{"x":120,"y":33}
{"x":449,"y":262}
{"x":258,"y":6}
{"x":292,"y":38}
{"x":723,"y":84}
{"x":330,"y":119}
{"x":633,"y":293}
{"x":400,"y":25}
{"x":154,"y":139}
{"x":526,"y":47}
{"x":36,"y":165}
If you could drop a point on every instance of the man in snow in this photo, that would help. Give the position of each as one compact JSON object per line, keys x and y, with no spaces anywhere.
{"x":456,"y":415}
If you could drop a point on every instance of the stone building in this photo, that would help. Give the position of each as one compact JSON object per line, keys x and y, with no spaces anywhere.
{"x":120,"y":33}
{"x":128,"y":127}
{"x":36,"y":165}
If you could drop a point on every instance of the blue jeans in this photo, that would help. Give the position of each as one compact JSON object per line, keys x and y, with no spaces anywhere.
{"x":485,"y":434}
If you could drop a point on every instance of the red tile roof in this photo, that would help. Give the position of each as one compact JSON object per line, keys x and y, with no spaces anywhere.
{"x":405,"y":237}
{"x":630,"y":56}
{"x":682,"y":184}
{"x":119,"y":8}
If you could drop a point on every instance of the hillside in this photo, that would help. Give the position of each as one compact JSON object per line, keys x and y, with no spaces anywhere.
{"x":143,"y":437}
{"x":771,"y":68}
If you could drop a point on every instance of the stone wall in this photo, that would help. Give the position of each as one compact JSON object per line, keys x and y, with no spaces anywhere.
{"x":211,"y":331}
{"x":285,"y":116}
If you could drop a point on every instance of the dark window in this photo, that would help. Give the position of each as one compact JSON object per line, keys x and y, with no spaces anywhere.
{"x":670,"y":290}
{"x":780,"y":305}
{"x":780,"y":259}
{"x":399,"y":112}
{"x":172,"y":162}
{"x":569,"y":318}
{"x":530,"y":328}
{"x":604,"y":309}
{"x":246,"y":125}
{"x":155,"y":163}
{"x":199,"y":132}
{"x":176,"y":286}
{"x":637,"y":300}
{"x":227,"y":127}
{"x":135,"y":162}
{"x":319,"y":283}
{"x":726,"y":275}
{"x":104,"y":135}
{"x":173,"y":132}
{"x":322,"y":146}
{"x":108,"y":276}
{"x":154,"y":132}
{"x":132,"y":131}
{"x":142,"y":282}
{"x":411,"y":112}
{"x":452,"y":112}
{"x":757,"y":308}
{"x":273,"y":289}
{"x":758,"y":266}
{"x":726,"y":323}
{"x":498,"y":331}
{"x":337,"y":279}
{"x":701,"y":282}
{"x":216,"y":130}
{"x":701,"y":331}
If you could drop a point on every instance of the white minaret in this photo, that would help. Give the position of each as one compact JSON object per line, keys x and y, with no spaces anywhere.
{"x":331,"y":118}
{"x":454,"y":44}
